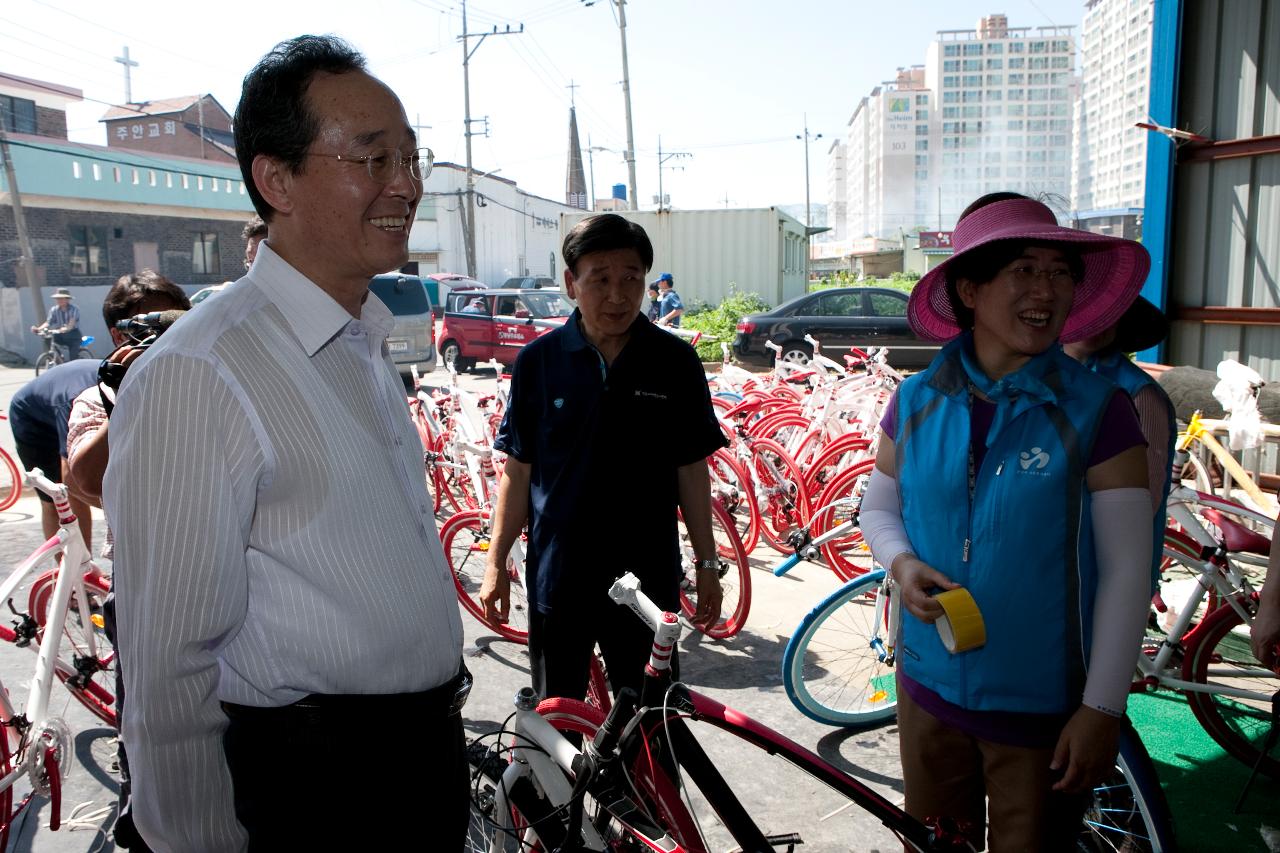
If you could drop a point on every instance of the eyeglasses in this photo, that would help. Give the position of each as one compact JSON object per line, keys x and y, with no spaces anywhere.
{"x":1024,"y":276}
{"x":382,"y":163}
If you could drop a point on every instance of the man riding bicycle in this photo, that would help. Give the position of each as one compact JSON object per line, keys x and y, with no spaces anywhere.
{"x":64,"y":322}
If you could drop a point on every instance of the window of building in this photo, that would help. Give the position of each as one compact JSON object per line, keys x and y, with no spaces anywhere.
{"x":1059,"y":140}
{"x":213,"y":184}
{"x":995,"y":64}
{"x":950,"y":112}
{"x":995,"y":95}
{"x":1037,"y":94}
{"x":950,"y":81}
{"x":996,"y":111}
{"x":951,"y":127}
{"x":973,"y":49}
{"x":1038,"y":62}
{"x":88,"y":249}
{"x":1060,"y":46}
{"x":922,"y":174}
{"x":151,"y":177}
{"x":972,"y":65}
{"x":1060,"y":62}
{"x":1016,"y":46}
{"x":972,"y":112}
{"x":1017,"y":62}
{"x":922,"y":159}
{"x":1040,"y":79}
{"x":922,"y":130}
{"x":972,"y":80}
{"x":19,"y":114}
{"x":115,"y":173}
{"x":186,"y":182}
{"x":950,"y":97}
{"x":1016,"y":94}
{"x":922,"y":115}
{"x":1037,"y":47}
{"x":922,"y":145}
{"x":951,"y":50}
{"x":1017,"y":79}
{"x":204,"y":253}
{"x":1014,"y":109}
{"x":995,"y":79}
{"x":1038,"y":124}
{"x":199,"y":182}
{"x":922,"y":100}
{"x":168,"y":180}
{"x":1035,"y":141}
{"x":75,"y":169}
{"x":995,"y":47}
{"x":136,"y":178}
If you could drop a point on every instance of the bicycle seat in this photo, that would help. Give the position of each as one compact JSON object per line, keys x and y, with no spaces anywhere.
{"x":1237,"y":537}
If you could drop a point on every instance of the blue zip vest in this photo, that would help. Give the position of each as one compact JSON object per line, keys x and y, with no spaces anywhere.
{"x":1119,"y":369}
{"x":1023,"y":546}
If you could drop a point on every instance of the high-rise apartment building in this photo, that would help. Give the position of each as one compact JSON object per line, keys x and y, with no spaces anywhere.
{"x":1109,"y":162}
{"x":837,"y":192}
{"x":887,"y":157}
{"x":1003,"y":118}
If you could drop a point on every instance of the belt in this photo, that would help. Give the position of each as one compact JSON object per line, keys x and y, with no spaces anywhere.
{"x":446,"y":700}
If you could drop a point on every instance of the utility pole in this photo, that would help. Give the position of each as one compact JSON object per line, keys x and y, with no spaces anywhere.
{"x":630,"y":154}
{"x":466,"y":105}
{"x":27,"y":261}
{"x":663,"y":158}
{"x":591,"y":168}
{"x":807,"y":213}
{"x":128,"y":83}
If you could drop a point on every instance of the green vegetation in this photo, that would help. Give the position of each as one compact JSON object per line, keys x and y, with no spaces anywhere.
{"x":903,"y":281}
{"x":719,"y":322}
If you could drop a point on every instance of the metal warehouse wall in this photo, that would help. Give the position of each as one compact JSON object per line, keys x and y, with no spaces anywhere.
{"x":757,"y":250}
{"x":1224,"y":271}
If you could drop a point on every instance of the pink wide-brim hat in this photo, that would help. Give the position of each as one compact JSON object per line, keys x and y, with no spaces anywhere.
{"x":1114,"y":269}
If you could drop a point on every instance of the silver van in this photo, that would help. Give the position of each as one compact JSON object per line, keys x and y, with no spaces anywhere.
{"x":411,"y":341}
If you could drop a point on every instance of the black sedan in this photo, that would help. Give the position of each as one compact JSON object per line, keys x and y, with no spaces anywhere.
{"x":838,"y":318}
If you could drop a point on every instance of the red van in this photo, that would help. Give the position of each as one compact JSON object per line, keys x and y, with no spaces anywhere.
{"x":480,"y":325}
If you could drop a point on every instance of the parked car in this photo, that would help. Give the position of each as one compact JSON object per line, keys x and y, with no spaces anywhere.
{"x":483,"y":324}
{"x":839,"y":318}
{"x":410,"y":341}
{"x":441,"y":284}
{"x":533,"y":282}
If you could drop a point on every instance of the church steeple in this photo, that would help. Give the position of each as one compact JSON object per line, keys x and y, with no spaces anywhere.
{"x":575,"y":185}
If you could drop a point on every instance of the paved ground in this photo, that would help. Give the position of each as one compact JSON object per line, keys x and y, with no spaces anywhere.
{"x":743,"y":672}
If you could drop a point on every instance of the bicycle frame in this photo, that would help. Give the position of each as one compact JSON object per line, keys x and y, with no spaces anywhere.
{"x":43,"y":742}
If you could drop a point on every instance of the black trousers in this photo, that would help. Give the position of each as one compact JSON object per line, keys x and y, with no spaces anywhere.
{"x":350,"y":773}
{"x":561,"y":644}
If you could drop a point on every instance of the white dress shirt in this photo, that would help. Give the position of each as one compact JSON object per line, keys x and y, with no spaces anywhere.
{"x":274,"y":536}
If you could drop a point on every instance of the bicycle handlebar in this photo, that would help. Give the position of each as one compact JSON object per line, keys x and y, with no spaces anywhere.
{"x":626,"y":591}
{"x":787,"y":565}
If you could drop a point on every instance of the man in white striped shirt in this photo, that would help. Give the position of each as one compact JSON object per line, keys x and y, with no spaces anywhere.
{"x":287,"y":624}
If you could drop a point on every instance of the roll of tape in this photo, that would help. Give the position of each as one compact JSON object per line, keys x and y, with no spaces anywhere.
{"x":960,"y":627}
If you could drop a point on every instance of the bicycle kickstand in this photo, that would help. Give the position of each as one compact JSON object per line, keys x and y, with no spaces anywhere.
{"x":1267,"y":745}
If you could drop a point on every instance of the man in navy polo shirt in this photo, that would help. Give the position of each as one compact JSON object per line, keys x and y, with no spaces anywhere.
{"x":587,"y":402}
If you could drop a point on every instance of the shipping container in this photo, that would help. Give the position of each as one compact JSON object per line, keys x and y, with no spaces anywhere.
{"x":713,"y":252}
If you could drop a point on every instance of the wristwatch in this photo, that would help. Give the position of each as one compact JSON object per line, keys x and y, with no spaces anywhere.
{"x":709,"y":566}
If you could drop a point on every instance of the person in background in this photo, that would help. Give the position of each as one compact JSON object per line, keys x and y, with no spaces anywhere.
{"x":87,"y":452}
{"x":64,"y":322}
{"x":583,"y":398}
{"x":654,"y":304}
{"x":298,"y":505}
{"x":1010,"y":471}
{"x":255,"y":231}
{"x":475,"y":306}
{"x":1141,"y":327}
{"x":670,"y":308}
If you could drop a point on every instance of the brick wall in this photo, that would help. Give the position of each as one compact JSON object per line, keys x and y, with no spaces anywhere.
{"x":49,"y":232}
{"x":50,"y":122}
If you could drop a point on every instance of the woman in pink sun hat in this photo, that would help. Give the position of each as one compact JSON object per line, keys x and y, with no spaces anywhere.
{"x":1015,"y":476}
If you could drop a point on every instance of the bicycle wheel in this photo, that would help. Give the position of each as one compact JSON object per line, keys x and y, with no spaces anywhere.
{"x":731,"y":488}
{"x":44,"y":361}
{"x":525,"y":806}
{"x":831,"y":668}
{"x":847,"y":556}
{"x":1218,"y":654}
{"x":10,"y":481}
{"x":1128,"y":811}
{"x":735,"y":576}
{"x":85,"y":352}
{"x":91,"y":679}
{"x":465,"y":537}
{"x":780,"y":494}
{"x":662,"y":797}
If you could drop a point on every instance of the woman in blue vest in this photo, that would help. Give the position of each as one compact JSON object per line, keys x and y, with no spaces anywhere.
{"x":1008,"y":470}
{"x":1141,"y":327}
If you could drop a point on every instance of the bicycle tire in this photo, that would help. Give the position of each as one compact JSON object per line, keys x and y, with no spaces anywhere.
{"x":782,"y":500}
{"x":731,"y":487}
{"x":10,"y":482}
{"x":1128,"y":810}
{"x":92,"y":681}
{"x":830,"y":670}
{"x":847,"y":556}
{"x":570,"y":715}
{"x":44,"y":361}
{"x":829,"y":461}
{"x":85,"y":352}
{"x":1216,"y":652}
{"x":735,"y":578}
{"x":465,"y":537}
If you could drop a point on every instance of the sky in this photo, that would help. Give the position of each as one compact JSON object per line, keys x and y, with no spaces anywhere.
{"x":725,"y":85}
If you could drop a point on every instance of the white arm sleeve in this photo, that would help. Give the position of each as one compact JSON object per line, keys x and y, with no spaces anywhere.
{"x":880,"y":517}
{"x":1123,"y":595}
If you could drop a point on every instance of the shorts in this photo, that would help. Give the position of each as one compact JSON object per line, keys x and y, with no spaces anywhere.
{"x":43,"y":456}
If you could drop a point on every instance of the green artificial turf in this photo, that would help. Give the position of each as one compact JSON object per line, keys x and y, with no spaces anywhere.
{"x":1202,"y":782}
